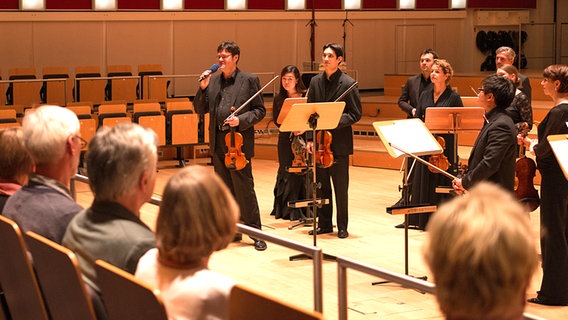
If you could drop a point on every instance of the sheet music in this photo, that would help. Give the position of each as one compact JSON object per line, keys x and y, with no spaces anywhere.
{"x":411,"y":135}
{"x":559,"y":145}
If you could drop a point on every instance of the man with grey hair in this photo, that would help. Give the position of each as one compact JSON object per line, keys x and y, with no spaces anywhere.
{"x":44,"y":205}
{"x":121,"y":165}
{"x":506,"y":55}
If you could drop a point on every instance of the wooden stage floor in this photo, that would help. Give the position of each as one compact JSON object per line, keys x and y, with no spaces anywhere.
{"x":373,"y":239}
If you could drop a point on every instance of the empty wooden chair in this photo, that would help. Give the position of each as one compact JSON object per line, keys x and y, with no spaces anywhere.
{"x":153,"y":87}
{"x":24,"y":93}
{"x":112,"y":114}
{"x":8,"y":118}
{"x":88,"y":123}
{"x":182,"y":123}
{"x":58,"y":92}
{"x":17,"y":277}
{"x":91,"y":89}
{"x":121,"y":88}
{"x":149,"y":115}
{"x":127,"y":297}
{"x":248,"y":304}
{"x":59,"y":276}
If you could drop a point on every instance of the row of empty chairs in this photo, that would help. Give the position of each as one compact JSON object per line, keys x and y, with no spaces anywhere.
{"x":57,"y":87}
{"x":49,"y":286}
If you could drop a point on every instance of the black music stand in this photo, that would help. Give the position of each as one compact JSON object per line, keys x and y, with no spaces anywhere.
{"x":452,"y":120}
{"x":400,"y":138}
{"x":306,"y":117}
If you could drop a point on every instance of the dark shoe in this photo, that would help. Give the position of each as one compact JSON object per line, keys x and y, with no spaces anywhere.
{"x":547,"y":302}
{"x":320,"y":231}
{"x":400,"y":226}
{"x":238,"y":237}
{"x":259,"y":245}
{"x":410,"y":227}
{"x":343,"y":234}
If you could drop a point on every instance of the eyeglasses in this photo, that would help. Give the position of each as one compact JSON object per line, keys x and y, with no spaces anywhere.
{"x":224,"y":56}
{"x":480,"y":89}
{"x":83,"y":142}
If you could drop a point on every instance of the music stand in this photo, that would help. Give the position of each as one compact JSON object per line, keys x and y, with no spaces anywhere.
{"x":306,"y":117}
{"x":400,"y":138}
{"x":559,"y":146}
{"x":453,"y":120}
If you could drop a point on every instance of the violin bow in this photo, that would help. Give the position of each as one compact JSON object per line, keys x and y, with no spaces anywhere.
{"x":250,"y":99}
{"x":347,"y":91}
{"x":449,"y":175}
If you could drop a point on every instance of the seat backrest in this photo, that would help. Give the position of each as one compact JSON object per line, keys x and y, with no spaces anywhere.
{"x":178,"y":104}
{"x":89,"y":90}
{"x":59,"y":276}
{"x":56,"y":92}
{"x":17,"y":276}
{"x":248,"y":304}
{"x":126,"y":297}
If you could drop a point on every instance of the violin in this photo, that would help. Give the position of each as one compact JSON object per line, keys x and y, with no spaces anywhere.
{"x":525,"y":171}
{"x":324,"y":155}
{"x":439,"y":160}
{"x":299,"y":150}
{"x":235,"y":158}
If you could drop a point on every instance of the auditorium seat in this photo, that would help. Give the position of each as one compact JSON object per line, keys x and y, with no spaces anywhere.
{"x":88,"y":123}
{"x":248,"y":304}
{"x":111,"y":114}
{"x":17,"y":277}
{"x":152,"y":87}
{"x":59,"y":276}
{"x":8,"y":118}
{"x":128,"y":298}
{"x":121,"y":88}
{"x":149,"y":114}
{"x":91,"y":89}
{"x":56,"y":92}
{"x":24,"y":93}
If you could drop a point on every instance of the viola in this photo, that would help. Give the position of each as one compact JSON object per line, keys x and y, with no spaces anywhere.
{"x":439,"y":160}
{"x":324,"y":155}
{"x":525,"y":171}
{"x":235,"y":158}
{"x":299,"y":150}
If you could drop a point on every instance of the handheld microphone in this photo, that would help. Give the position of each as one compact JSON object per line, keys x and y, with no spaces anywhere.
{"x":207,"y":73}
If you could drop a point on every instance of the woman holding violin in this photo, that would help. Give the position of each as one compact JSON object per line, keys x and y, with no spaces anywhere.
{"x":289,"y":186}
{"x":553,"y":191}
{"x":520,"y":110}
{"x":424,"y":181}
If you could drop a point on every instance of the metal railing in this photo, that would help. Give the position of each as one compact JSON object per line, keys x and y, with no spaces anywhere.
{"x":64,"y":80}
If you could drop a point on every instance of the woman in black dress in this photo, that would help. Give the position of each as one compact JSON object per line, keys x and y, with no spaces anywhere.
{"x":425,"y":182}
{"x":289,"y":186}
{"x":553,"y":191}
{"x":520,"y":109}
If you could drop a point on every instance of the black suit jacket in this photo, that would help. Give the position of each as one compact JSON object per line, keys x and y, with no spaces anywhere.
{"x":410,"y":93}
{"x":494,"y":153}
{"x":526,"y":86}
{"x":342,"y":136}
{"x":244,"y":87}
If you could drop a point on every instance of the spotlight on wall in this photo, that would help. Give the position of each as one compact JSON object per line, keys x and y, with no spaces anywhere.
{"x":236,"y":4}
{"x":295,"y":4}
{"x":407,"y":4}
{"x":32,"y":4}
{"x":172,"y":4}
{"x":352,"y":4}
{"x":105,"y":4}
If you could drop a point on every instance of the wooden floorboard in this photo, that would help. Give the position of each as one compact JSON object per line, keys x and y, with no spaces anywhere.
{"x":373,"y":239}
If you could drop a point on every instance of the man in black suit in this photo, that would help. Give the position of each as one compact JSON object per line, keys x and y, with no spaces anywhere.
{"x":408,"y":102}
{"x":506,"y":55}
{"x":216,"y":95}
{"x":494,"y":151}
{"x":327,"y":87}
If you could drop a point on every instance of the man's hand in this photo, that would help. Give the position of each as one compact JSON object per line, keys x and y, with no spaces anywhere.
{"x":458,"y":187}
{"x":232,"y":121}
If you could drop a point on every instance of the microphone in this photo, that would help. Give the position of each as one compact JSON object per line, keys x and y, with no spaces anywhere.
{"x":207,"y":73}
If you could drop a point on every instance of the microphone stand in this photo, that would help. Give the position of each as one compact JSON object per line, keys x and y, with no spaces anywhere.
{"x":344,"y":25}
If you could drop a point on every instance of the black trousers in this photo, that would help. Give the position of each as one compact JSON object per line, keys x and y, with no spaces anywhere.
{"x":339,"y":174}
{"x":241,"y":184}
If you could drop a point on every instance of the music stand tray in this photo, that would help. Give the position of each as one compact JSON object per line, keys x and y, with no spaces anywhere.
{"x":313,"y":116}
{"x":452,"y":119}
{"x":559,"y":145}
{"x":287,"y":105}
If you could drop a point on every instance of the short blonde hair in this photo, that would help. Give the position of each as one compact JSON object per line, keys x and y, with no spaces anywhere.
{"x":446,"y":69}
{"x":46,"y":130}
{"x":198,"y":216}
{"x":482,"y":254}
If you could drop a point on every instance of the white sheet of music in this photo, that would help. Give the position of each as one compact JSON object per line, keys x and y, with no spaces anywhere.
{"x":559,"y":145}
{"x":410,"y":135}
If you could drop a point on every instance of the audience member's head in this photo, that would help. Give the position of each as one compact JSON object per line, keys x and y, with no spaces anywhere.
{"x":511,"y":72}
{"x":482,"y":254}
{"x":121,"y":162}
{"x":498,"y":90}
{"x":504,"y":55}
{"x":15,"y":161}
{"x":53,"y":138}
{"x":198,"y":216}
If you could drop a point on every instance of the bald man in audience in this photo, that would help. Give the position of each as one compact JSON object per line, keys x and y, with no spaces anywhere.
{"x":44,"y":205}
{"x":121,"y":163}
